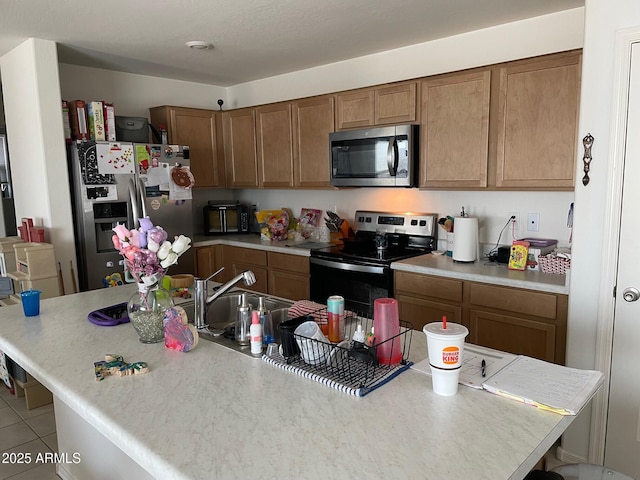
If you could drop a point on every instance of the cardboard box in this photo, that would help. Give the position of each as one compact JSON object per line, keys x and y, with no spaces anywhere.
{"x":109,"y":116}
{"x":96,"y":121}
{"x":78,"y":120}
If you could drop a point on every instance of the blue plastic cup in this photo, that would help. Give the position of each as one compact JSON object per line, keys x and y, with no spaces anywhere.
{"x":31,"y":302}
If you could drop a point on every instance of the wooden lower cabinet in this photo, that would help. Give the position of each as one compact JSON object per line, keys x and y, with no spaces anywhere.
{"x":236,"y":260}
{"x":288,"y":276}
{"x":209,"y":260}
{"x":278,"y":274}
{"x":524,"y":322}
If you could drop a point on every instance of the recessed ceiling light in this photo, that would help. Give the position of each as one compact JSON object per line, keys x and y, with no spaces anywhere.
{"x":199,"y":45}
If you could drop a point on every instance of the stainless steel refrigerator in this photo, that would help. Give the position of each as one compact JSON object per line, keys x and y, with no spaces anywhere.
{"x":119,"y":182}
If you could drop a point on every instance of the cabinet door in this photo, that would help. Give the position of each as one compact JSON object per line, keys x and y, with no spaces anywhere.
{"x":293,"y":286}
{"x":313,"y":120}
{"x":513,"y":334}
{"x":395,"y":104}
{"x":275,"y":145}
{"x":201,"y":130}
{"x":208,"y":260}
{"x":355,"y":109}
{"x":537,"y":123}
{"x":455,"y":131}
{"x":240,"y":148}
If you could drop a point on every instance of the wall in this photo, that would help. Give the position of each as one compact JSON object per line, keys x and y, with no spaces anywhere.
{"x":38,"y":158}
{"x":603,"y":18}
{"x":133,"y":95}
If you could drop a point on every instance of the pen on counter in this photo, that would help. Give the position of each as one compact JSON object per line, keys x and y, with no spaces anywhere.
{"x":483,"y":368}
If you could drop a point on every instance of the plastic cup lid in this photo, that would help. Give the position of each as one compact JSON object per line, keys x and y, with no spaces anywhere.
{"x":453,"y":329}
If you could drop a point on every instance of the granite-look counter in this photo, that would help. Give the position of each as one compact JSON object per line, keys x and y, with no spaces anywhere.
{"x":216,"y":413}
{"x":430,"y":264}
{"x":252,"y":240}
{"x":485,"y":272}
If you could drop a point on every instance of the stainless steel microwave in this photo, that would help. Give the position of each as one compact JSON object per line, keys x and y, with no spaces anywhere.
{"x":375,"y":157}
{"x":223,"y":217}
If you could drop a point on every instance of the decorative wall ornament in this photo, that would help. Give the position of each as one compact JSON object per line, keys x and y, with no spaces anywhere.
{"x":587,"y":142}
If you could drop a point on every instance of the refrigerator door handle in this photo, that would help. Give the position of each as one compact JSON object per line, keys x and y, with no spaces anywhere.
{"x":134,"y":203}
{"x":143,"y":198}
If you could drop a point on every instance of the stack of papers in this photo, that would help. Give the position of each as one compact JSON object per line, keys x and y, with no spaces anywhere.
{"x":535,"y":382}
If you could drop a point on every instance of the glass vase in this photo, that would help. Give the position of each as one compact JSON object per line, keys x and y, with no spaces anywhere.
{"x":146,"y":310}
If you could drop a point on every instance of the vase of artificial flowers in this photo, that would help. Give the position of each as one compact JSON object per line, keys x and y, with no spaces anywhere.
{"x":147,"y":256}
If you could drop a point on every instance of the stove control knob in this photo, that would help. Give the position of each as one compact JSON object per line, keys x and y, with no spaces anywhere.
{"x":414,"y":222}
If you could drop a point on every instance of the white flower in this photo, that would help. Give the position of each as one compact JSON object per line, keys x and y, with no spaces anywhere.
{"x":152,"y":245}
{"x":169,"y":260}
{"x":181,"y":244}
{"x":164,"y":250}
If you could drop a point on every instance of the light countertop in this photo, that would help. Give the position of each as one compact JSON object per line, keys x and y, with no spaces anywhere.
{"x":214,"y":412}
{"x":431,"y":264}
{"x":485,"y":272}
{"x":252,"y":240}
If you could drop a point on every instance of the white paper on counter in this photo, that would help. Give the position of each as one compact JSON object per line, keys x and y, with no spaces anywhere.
{"x":471,"y":370}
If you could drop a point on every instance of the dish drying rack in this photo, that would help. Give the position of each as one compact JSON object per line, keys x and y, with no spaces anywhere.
{"x":348,"y":366}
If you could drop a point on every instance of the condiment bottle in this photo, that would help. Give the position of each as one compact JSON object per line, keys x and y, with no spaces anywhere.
{"x":256,"y":334}
{"x":268,"y":334}
{"x":243,"y":322}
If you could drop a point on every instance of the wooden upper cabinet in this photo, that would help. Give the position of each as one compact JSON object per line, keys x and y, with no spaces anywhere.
{"x":395,"y":104}
{"x":201,"y":131}
{"x":455,"y":130}
{"x":274,"y":145}
{"x":240,"y":148}
{"x":313,"y":120}
{"x":355,"y":109}
{"x":537,"y":122}
{"x":377,"y":106}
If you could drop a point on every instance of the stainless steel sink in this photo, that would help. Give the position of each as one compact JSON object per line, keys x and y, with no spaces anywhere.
{"x":221,"y":316}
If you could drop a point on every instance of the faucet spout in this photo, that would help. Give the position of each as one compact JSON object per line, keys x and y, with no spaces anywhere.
{"x":202,"y":302}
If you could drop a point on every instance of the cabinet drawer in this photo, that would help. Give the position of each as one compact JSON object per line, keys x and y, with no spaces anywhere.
{"x":248,"y":255}
{"x":291,"y":263}
{"x":514,"y":300}
{"x":425,"y":285}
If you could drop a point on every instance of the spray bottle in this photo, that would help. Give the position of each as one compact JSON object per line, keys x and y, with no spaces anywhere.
{"x":255,"y":334}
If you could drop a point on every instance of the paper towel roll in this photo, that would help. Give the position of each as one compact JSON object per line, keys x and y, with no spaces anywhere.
{"x":465,"y":239}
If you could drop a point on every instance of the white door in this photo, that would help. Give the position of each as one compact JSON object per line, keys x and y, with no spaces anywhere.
{"x":622,"y":447}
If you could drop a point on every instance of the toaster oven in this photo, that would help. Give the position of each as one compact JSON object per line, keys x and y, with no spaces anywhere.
{"x":224,"y":217}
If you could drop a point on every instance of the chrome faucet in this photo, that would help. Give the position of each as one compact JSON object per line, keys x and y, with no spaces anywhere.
{"x":202,"y":302}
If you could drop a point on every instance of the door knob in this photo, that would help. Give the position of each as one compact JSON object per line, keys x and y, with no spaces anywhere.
{"x":630,"y":294}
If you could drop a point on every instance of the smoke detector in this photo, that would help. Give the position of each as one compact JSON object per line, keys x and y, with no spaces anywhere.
{"x":199,"y":45}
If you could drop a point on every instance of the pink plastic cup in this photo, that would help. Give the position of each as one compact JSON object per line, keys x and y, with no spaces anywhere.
{"x":386,"y":328}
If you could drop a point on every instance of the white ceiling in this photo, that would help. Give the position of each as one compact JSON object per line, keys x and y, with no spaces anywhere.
{"x":252,"y":39}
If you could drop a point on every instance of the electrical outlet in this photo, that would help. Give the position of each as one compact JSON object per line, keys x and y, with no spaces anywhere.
{"x":515,"y":227}
{"x":533,"y":222}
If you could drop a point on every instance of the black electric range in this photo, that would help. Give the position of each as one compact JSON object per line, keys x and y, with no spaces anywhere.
{"x":360,"y":269}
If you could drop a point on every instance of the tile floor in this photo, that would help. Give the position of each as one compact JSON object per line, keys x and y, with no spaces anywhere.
{"x":23,"y":432}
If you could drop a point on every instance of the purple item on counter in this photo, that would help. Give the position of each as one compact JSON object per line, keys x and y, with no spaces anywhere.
{"x":110,"y":316}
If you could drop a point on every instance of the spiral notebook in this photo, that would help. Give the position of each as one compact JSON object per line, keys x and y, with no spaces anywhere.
{"x":545,"y":385}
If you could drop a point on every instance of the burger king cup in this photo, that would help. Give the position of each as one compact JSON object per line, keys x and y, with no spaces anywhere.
{"x":445,"y":342}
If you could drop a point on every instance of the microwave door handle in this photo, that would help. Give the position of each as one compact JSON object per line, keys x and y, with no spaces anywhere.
{"x":392,"y":156}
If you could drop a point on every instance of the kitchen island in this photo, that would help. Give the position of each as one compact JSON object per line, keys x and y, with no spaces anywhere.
{"x":216,"y":413}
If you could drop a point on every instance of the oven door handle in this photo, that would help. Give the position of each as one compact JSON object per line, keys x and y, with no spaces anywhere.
{"x":352,"y":267}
